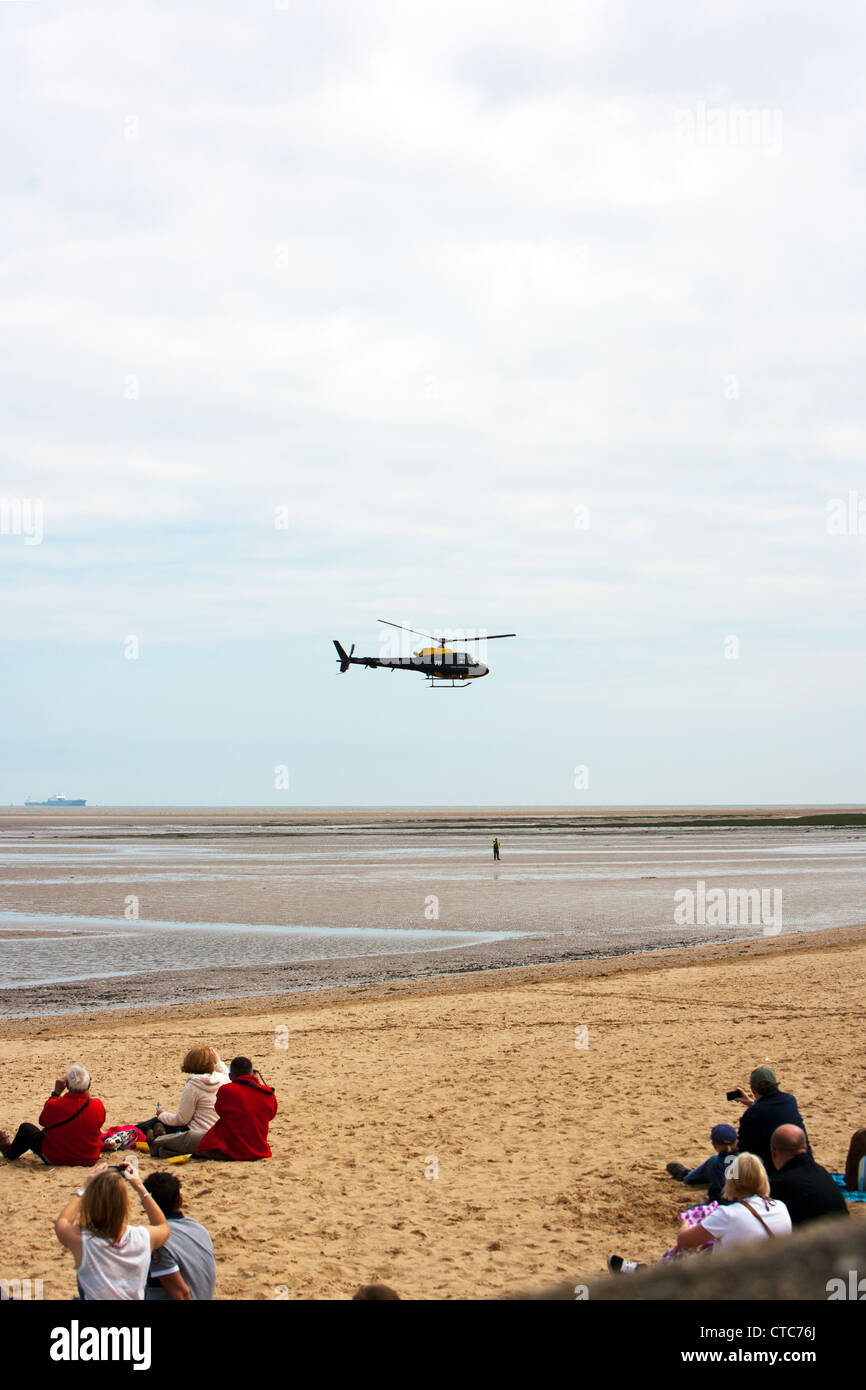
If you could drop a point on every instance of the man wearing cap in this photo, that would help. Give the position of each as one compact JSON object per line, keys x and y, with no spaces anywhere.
{"x":769,"y":1109}
{"x":713,"y":1172}
{"x":806,"y":1188}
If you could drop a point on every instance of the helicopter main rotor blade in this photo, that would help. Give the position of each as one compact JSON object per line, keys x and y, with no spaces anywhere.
{"x":491,"y":637}
{"x":403,"y":628}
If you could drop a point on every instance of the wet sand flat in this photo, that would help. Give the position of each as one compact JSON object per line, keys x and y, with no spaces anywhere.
{"x":107,"y":908}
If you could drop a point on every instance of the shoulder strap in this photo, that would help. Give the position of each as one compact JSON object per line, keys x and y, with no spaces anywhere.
{"x":756,"y":1214}
{"x":254,"y":1085}
{"x":73,"y":1116}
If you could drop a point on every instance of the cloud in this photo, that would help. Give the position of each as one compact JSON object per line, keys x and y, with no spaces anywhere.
{"x":430,"y":280}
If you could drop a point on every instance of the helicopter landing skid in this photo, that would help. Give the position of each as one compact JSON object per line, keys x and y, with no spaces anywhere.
{"x":433,"y":682}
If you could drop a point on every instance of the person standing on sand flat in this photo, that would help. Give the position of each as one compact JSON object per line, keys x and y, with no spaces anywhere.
{"x":496,"y":850}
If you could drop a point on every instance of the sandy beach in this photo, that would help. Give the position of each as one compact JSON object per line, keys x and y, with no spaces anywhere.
{"x":448,"y":1136}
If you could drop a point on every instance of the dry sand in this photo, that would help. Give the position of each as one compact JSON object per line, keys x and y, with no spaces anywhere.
{"x":549,"y":1155}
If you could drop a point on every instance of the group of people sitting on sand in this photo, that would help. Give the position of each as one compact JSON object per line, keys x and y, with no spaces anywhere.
{"x":224,"y":1113}
{"x":762,"y":1179}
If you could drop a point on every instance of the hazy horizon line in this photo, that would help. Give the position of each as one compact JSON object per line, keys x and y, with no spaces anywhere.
{"x":449,"y":806}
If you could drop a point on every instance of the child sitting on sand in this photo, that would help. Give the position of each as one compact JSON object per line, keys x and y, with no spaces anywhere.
{"x":713,"y":1171}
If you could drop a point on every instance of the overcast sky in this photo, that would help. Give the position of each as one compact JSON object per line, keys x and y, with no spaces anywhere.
{"x":545,"y":318}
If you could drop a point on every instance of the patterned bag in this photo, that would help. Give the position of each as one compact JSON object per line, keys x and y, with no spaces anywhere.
{"x":692,"y":1217}
{"x":121,"y":1137}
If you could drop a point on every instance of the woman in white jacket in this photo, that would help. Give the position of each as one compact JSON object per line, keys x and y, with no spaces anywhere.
{"x":196,"y":1111}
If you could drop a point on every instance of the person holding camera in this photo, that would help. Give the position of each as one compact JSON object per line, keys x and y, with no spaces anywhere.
{"x":71,"y":1125}
{"x":769,"y":1108}
{"x":245,"y":1106}
{"x":112,"y":1258}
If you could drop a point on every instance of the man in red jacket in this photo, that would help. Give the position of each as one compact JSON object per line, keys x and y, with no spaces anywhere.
{"x":72,"y":1124}
{"x":245,"y":1106}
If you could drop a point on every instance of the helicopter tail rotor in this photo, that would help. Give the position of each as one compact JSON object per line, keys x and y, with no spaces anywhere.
{"x":344,"y":656}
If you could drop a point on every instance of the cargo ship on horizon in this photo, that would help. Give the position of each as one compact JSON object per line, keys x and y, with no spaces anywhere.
{"x":57,"y":800}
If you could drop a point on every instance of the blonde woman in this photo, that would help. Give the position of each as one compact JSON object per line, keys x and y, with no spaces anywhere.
{"x":178,"y":1131}
{"x":751,"y":1214}
{"x":746,"y":1213}
{"x":112,"y":1258}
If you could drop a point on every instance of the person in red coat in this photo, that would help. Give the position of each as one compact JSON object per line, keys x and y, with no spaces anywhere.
{"x":71,"y":1125}
{"x":245,"y":1106}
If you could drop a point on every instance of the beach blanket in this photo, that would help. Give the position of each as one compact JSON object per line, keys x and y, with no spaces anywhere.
{"x":839,"y":1179}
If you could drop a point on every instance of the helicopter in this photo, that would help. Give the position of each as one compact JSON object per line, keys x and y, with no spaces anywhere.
{"x":440,"y":665}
